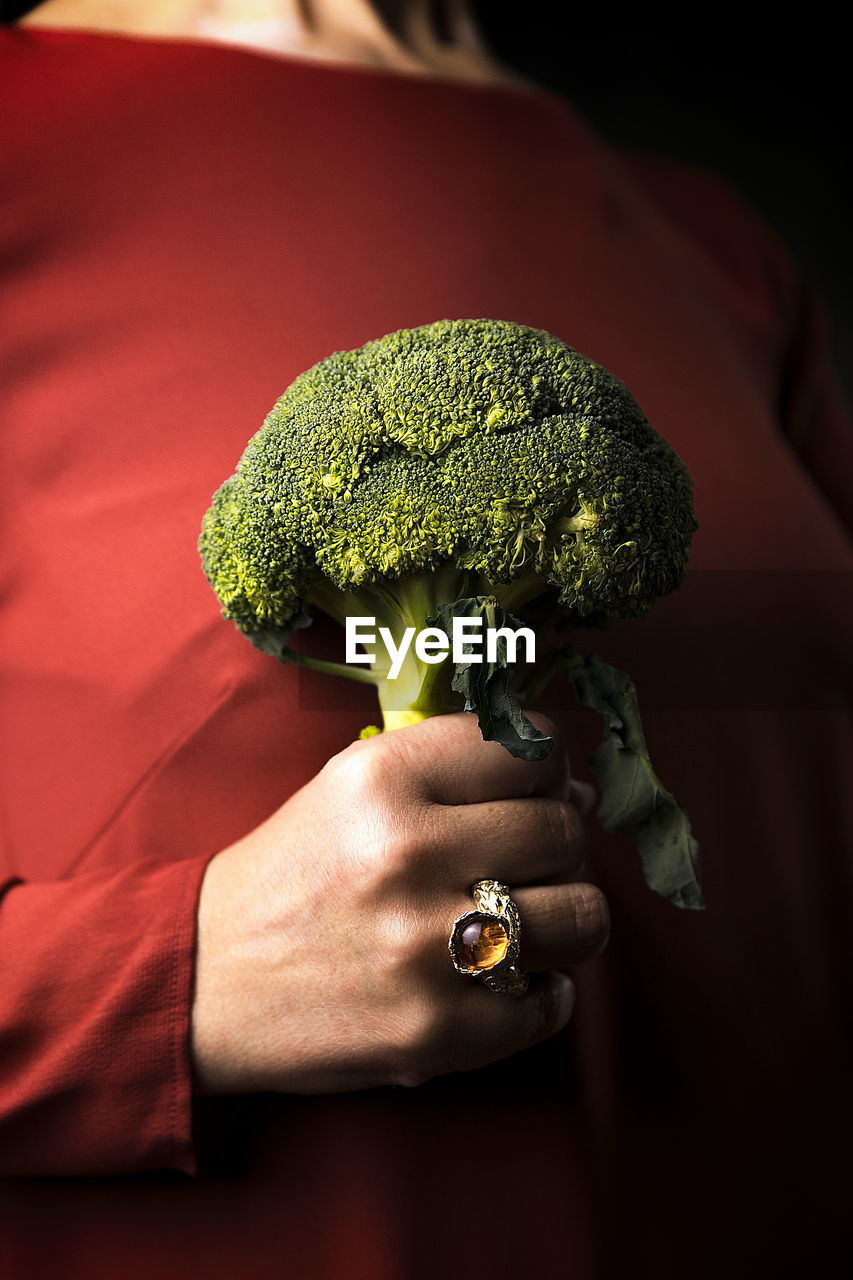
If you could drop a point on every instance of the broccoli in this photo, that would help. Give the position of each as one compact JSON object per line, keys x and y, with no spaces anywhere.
{"x":467,"y":466}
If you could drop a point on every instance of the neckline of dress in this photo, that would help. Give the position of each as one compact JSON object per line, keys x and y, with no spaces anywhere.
{"x":322,"y":66}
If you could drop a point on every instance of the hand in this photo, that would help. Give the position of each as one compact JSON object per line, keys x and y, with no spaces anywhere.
{"x":322,"y":960}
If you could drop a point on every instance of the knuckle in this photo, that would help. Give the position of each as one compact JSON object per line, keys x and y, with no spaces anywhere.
{"x":565,"y":827}
{"x":359,"y":770}
{"x":563,"y":823}
{"x":590,"y":918}
{"x":544,"y":1020}
{"x":416,"y":851}
{"x":403,"y":948}
{"x":548,"y":1013}
{"x":403,"y":851}
{"x":385,"y":819}
{"x":557,"y":1012}
{"x":412,"y":1078}
{"x":416,"y":1043}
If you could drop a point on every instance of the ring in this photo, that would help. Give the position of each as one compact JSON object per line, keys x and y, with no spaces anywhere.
{"x":484,"y":943}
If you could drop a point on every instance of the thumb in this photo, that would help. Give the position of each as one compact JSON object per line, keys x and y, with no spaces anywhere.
{"x":497,"y":1026}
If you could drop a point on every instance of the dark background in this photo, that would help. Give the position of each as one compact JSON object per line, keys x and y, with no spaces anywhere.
{"x":770,"y":111}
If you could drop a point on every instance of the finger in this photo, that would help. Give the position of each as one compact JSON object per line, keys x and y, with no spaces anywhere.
{"x":452,"y":764}
{"x":516,"y":841}
{"x":488,"y":1026}
{"x":583,"y":794}
{"x":561,"y":925}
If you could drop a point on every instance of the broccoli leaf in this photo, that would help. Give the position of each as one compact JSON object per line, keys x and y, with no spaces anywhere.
{"x":487,"y":686}
{"x":273,"y":640}
{"x":634,"y":801}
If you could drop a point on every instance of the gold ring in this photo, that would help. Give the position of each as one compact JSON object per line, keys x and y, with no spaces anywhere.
{"x":484,"y":943}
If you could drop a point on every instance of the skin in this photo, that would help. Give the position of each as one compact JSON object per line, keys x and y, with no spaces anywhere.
{"x":322,"y":962}
{"x":401,"y":36}
{"x":322,"y":956}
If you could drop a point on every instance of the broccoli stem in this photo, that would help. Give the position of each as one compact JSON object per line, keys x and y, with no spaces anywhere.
{"x":420,"y":689}
{"x":328,"y":668}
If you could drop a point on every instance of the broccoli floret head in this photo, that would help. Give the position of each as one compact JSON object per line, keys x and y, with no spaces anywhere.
{"x":482,"y":446}
{"x":460,"y":470}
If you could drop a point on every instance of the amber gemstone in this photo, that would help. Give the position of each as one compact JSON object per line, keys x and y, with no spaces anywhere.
{"x":482,"y":944}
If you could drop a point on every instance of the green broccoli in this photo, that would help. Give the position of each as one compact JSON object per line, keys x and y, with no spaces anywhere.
{"x":467,"y":466}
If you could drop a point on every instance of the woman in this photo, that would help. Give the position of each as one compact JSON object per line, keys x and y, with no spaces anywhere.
{"x":193,"y":223}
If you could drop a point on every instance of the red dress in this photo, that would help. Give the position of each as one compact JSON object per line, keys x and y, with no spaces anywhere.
{"x":185,"y":227}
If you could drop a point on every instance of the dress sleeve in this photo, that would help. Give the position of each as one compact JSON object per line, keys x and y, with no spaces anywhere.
{"x":94,"y":1021}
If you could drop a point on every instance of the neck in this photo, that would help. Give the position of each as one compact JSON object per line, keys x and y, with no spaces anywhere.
{"x":417,"y":37}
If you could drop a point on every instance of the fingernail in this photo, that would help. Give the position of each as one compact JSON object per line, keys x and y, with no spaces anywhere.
{"x":586,"y":795}
{"x":564,"y":997}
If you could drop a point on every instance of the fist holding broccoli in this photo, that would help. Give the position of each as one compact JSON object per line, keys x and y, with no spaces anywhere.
{"x":460,"y":470}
